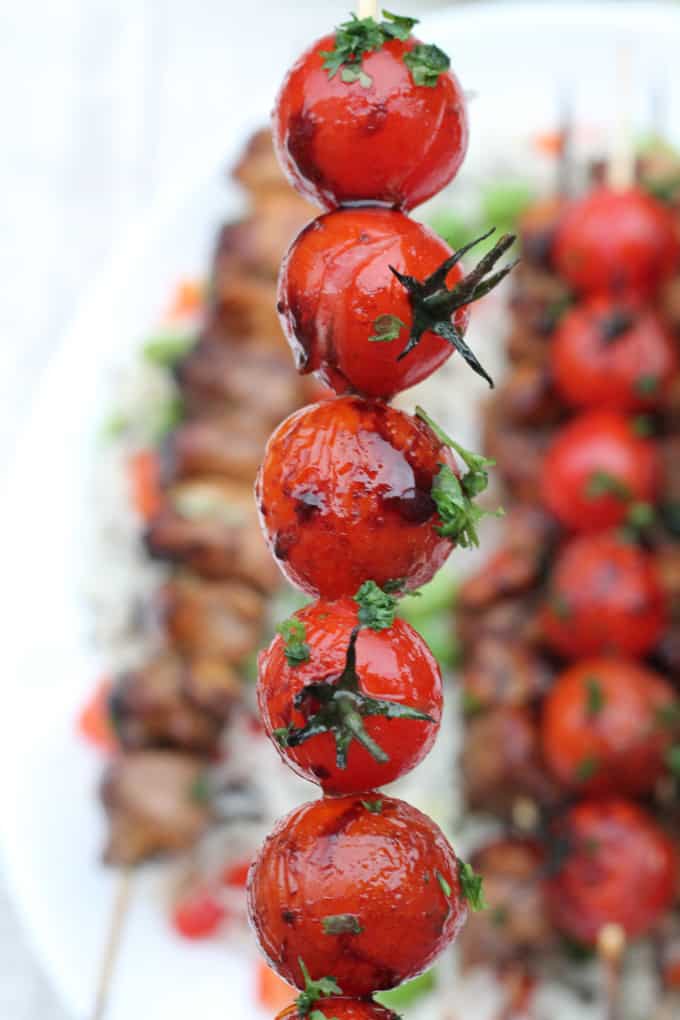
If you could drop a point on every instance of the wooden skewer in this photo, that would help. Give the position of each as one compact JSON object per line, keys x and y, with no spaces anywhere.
{"x":611,"y":946}
{"x":368,"y":9}
{"x":119,"y":913}
{"x":621,"y":167}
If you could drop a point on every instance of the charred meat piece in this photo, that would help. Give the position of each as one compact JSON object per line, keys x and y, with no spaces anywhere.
{"x":528,"y":535}
{"x":211,"y":527}
{"x":217,"y":376}
{"x":259,"y":243}
{"x":538,"y":302}
{"x":501,"y":762}
{"x":516,"y":925}
{"x":258,"y":170}
{"x":215,"y":619}
{"x":499,"y":672}
{"x":230,"y":445}
{"x":152,"y":805}
{"x":510,"y":619}
{"x":150,"y":708}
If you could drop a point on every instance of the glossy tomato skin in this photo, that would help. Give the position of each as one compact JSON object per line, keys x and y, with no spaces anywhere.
{"x":619,"y":868}
{"x":603,"y":728}
{"x":388,"y":874}
{"x":605,"y":598}
{"x":335,"y":283}
{"x":341,"y":1008}
{"x":344,"y":494}
{"x":596,"y":469}
{"x":616,"y":242}
{"x":393,"y":664}
{"x":394,"y":143}
{"x":628,"y":372}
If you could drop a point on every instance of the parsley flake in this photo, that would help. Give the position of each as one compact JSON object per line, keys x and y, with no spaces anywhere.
{"x":341,"y":924}
{"x":586,"y":769}
{"x":376,"y":606}
{"x":472,"y":886}
{"x":314,"y":990}
{"x":673,"y":759}
{"x":385,"y":328}
{"x":426,"y":63}
{"x":602,"y":483}
{"x":594,"y":696}
{"x":293,"y":633}
{"x":374,"y":806}
{"x":444,"y":885}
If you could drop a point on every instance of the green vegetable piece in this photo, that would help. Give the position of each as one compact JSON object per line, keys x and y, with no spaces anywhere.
{"x":673,"y":759}
{"x":586,"y":769}
{"x":341,"y":924}
{"x":472,"y":886}
{"x":646,"y":385}
{"x":314,"y":990}
{"x":409,"y":993}
{"x":374,"y":806}
{"x":601,"y":483}
{"x":426,"y":63}
{"x":594,"y":697}
{"x":444,"y":885}
{"x":359,"y":36}
{"x":294,"y":634}
{"x":459,"y":515}
{"x":376,"y":606}
{"x":166,"y":350}
{"x":385,"y":328}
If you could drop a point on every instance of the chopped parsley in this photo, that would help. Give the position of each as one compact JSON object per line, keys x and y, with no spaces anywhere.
{"x":376,"y":606}
{"x":594,"y":697}
{"x":472,"y":886}
{"x":341,"y":924}
{"x":386,"y":327}
{"x":294,"y":634}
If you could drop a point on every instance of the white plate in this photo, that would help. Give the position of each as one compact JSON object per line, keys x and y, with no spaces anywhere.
{"x":512,"y":56}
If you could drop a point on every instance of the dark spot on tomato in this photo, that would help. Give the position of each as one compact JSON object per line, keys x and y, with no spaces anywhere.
{"x":415,"y":505}
{"x":375,"y":119}
{"x":303,"y":331}
{"x":288,"y":917}
{"x":299,"y":142}
{"x":307,"y":503}
{"x":320,"y":771}
{"x":283,"y":543}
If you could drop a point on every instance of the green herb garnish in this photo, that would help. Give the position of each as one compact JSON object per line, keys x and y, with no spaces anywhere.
{"x":426,"y":63}
{"x":341,"y":924}
{"x":294,"y":634}
{"x":314,"y":990}
{"x":472,"y":886}
{"x":376,"y":606}
{"x":594,"y":697}
{"x":586,"y":769}
{"x":374,"y":806}
{"x":167,"y":349}
{"x":601,"y":483}
{"x":386,"y":327}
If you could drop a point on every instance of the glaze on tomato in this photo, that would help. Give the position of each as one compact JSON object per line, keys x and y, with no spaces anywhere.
{"x":607,"y":726}
{"x":341,"y":1008}
{"x":345,"y":495}
{"x":366,"y":890}
{"x":393,"y":665}
{"x":605,"y":597}
{"x":392,"y":142}
{"x":597,"y":470}
{"x":618,"y":867}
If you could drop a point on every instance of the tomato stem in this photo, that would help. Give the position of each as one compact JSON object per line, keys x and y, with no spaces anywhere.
{"x":433,"y":303}
{"x":341,"y":712}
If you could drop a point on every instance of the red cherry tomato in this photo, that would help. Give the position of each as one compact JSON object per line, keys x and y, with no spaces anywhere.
{"x":351,"y":320}
{"x":94,"y":720}
{"x":236,"y":875}
{"x":198,"y":914}
{"x":618,"y":867}
{"x":611,"y":355}
{"x":369,"y":897}
{"x":605,"y":596}
{"x":341,"y":1008}
{"x":596,"y":470}
{"x":607,"y":725}
{"x":345,"y":494}
{"x":361,"y":709}
{"x":617,"y":242}
{"x":385,"y":140}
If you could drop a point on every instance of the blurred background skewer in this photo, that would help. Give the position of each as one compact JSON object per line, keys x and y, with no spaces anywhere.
{"x":119,"y":913}
{"x":621,"y":166}
{"x":611,"y":948}
{"x":367,"y":9}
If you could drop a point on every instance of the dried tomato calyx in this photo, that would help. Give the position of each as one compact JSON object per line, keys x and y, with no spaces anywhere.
{"x":342,"y":707}
{"x":433,"y":303}
{"x":314,"y":990}
{"x":454,"y":497}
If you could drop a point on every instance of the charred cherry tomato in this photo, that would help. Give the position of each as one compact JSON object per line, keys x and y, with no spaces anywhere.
{"x":374,"y":302}
{"x":364,"y":116}
{"x":607,"y":726}
{"x":607,"y":354}
{"x":340,"y":1008}
{"x":198,"y":914}
{"x":605,"y":596}
{"x":597,"y":472}
{"x":617,"y":242}
{"x":617,"y":867}
{"x":352,"y":489}
{"x":367,"y":891}
{"x":359,"y":705}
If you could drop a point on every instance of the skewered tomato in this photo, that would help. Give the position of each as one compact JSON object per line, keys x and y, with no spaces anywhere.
{"x":339,"y":1008}
{"x":353,"y":698}
{"x":352,"y":489}
{"x":361,"y":289}
{"x":618,"y":867}
{"x":198,"y":914}
{"x":617,"y":242}
{"x":607,"y":725}
{"x":597,"y":472}
{"x":340,"y":882}
{"x":370,"y":114}
{"x":605,"y":596}
{"x":609,"y":354}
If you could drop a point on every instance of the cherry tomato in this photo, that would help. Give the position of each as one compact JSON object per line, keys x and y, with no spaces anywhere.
{"x":198,"y":914}
{"x":144,"y":474}
{"x":607,"y":725}
{"x":605,"y":596}
{"x":360,"y":707}
{"x":617,"y":242}
{"x":272,"y":992}
{"x":366,"y":891}
{"x":381,"y":136}
{"x":596,"y":470}
{"x":351,"y":490}
{"x":608,"y":354}
{"x":236,"y":875}
{"x":94,"y":720}
{"x":362,"y":328}
{"x":618,"y":867}
{"x":341,"y":1008}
